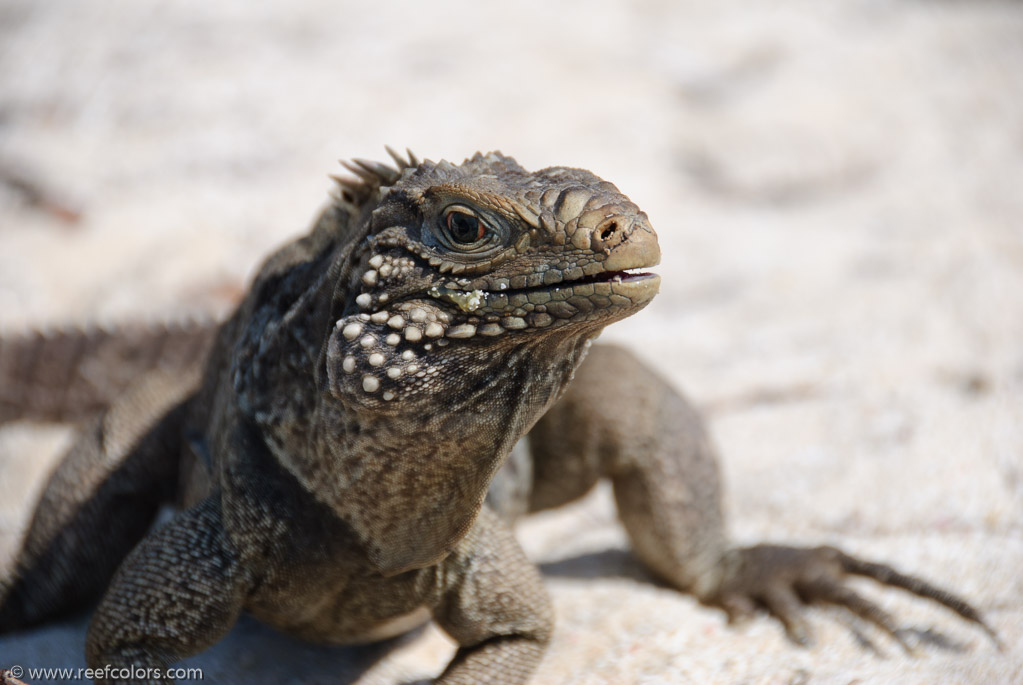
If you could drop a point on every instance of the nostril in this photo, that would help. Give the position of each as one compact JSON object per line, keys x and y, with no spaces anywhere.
{"x":608,"y":230}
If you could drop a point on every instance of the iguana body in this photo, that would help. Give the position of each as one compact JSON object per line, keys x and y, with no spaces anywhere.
{"x":332,"y":452}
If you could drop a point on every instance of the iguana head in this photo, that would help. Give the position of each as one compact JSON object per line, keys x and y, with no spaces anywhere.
{"x":479,"y":258}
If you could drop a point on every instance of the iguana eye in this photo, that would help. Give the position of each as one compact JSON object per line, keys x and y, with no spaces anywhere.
{"x":464,"y":228}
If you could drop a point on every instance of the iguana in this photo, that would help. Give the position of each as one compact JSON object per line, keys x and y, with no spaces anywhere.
{"x":331,"y":446}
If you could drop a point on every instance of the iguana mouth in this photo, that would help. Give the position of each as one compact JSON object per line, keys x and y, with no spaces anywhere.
{"x":614,"y":276}
{"x":611,"y":291}
{"x":627,"y":275}
{"x":627,"y":282}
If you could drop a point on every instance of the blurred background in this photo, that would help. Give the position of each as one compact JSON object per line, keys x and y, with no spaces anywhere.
{"x":837,"y":190}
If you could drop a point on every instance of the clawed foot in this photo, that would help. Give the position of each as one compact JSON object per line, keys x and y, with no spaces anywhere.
{"x":784,"y":579}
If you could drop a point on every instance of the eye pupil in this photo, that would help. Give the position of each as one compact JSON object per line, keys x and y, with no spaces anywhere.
{"x":464,"y":228}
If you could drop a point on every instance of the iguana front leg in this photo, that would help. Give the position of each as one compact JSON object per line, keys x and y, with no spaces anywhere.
{"x":176,"y":594}
{"x":495,"y":606}
{"x":619,"y":419}
{"x":182,"y":588}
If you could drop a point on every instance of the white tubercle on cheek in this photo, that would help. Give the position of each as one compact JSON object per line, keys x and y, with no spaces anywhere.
{"x":352,"y":331}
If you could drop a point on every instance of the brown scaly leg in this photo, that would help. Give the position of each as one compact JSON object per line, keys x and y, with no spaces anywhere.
{"x":98,"y":503}
{"x":619,"y":419}
{"x":495,"y":606}
{"x":177,"y":593}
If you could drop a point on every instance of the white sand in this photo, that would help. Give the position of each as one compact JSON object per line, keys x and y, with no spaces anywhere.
{"x":838,"y":187}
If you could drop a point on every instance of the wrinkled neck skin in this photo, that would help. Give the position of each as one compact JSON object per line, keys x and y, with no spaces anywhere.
{"x":410,"y":478}
{"x":408,"y":475}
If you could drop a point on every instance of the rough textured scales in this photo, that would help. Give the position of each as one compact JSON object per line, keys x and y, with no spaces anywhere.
{"x":331,"y":455}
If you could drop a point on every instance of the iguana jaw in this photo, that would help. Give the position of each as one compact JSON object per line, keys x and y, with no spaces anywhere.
{"x":610,"y":294}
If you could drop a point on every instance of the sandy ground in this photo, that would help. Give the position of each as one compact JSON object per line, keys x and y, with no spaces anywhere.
{"x":837,"y":190}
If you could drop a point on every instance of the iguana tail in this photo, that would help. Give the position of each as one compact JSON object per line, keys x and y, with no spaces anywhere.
{"x":71,"y":374}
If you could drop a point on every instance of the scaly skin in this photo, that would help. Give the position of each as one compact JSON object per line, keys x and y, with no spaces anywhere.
{"x":71,"y":374}
{"x":332,"y":455}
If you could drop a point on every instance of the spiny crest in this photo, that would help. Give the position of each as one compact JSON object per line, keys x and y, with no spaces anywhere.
{"x":492,"y":163}
{"x":369,"y":176}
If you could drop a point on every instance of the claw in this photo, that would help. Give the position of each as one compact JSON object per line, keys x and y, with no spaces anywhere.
{"x":935,"y":638}
{"x":739,"y":609}
{"x":886,"y":575}
{"x":826,"y":590}
{"x":861,"y":637}
{"x":783,"y":603}
{"x":783,"y":579}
